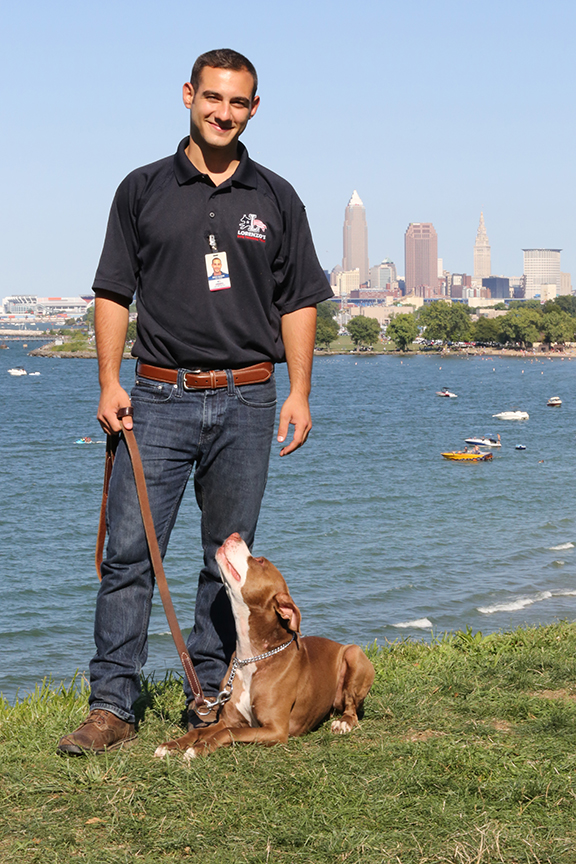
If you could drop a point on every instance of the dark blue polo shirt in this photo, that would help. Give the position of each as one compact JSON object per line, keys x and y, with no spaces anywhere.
{"x":158,"y":235}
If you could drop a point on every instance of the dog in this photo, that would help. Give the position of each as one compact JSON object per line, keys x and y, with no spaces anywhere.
{"x":278,"y":684}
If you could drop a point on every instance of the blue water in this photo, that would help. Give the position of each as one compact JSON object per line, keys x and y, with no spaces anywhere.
{"x":376,"y":534}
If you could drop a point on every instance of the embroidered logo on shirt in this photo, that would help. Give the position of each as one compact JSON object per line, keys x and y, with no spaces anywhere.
{"x":252,"y":227}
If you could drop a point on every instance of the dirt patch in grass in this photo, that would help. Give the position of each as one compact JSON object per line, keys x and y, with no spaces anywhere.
{"x":424,"y":735}
{"x":501,"y":725}
{"x":555,"y":694}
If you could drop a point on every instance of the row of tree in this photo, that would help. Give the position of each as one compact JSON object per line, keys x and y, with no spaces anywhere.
{"x":525,"y":322}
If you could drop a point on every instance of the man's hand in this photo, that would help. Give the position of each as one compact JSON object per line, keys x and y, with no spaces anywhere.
{"x":111,"y":399}
{"x":110,"y":325}
{"x":295,"y":411}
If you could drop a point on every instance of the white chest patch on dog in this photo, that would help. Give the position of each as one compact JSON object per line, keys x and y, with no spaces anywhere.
{"x":243,"y":651}
{"x":244,"y":703}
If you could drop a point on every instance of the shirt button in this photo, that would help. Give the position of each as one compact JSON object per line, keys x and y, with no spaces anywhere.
{"x":212,"y":215}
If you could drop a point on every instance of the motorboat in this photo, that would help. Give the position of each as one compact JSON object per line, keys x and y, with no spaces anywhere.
{"x":32,"y":374}
{"x":467,"y":457}
{"x":17,"y":370}
{"x":554,"y":402}
{"x":84,"y":440}
{"x":520,"y":447}
{"x":446,"y":393}
{"x":512,"y":415}
{"x":485,"y":441}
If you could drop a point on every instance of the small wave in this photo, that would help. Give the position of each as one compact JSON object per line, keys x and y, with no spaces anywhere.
{"x":561,"y":547}
{"x":515,"y":605}
{"x":523,"y":602}
{"x":418,"y":624}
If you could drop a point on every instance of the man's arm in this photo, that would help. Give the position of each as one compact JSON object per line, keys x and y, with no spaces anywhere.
{"x":299,"y":336}
{"x":110,"y":326}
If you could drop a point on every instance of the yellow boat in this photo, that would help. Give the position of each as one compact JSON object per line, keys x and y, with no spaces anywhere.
{"x":467,"y":457}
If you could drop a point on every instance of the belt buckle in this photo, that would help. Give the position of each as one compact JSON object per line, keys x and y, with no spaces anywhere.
{"x":190,"y":372}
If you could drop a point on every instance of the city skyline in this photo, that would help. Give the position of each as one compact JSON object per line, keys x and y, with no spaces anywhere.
{"x":540,"y":266}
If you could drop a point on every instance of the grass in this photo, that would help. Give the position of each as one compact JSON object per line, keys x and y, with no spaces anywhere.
{"x":466,"y":753}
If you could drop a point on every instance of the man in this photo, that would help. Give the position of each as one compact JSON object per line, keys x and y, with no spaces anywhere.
{"x":168,"y":222}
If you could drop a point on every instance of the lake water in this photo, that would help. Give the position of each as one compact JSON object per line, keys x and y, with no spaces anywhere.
{"x":377,"y":535}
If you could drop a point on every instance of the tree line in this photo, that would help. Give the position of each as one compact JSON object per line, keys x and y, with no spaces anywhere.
{"x":525,"y":322}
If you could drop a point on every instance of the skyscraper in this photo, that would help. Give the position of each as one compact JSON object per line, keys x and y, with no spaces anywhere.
{"x":482,"y":264}
{"x":356,"y":238}
{"x":541,"y":267}
{"x":421,"y":259}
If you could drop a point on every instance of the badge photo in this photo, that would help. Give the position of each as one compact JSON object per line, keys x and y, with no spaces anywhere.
{"x":217,"y":271}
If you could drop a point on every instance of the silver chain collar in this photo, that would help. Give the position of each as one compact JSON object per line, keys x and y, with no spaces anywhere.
{"x":226,"y":693}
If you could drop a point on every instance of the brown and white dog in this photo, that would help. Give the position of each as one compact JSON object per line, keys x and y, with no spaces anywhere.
{"x":289,"y":692}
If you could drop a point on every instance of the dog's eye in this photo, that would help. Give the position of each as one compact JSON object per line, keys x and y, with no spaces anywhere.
{"x":259,"y":560}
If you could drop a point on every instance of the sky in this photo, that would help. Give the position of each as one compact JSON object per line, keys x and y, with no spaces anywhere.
{"x":431,"y":111}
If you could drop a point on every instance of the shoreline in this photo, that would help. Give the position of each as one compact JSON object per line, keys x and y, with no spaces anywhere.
{"x":527,"y":354}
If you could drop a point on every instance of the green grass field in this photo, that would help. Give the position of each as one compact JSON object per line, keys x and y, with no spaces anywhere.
{"x":466,"y":753}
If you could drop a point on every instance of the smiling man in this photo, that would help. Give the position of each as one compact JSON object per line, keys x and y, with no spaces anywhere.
{"x":204,"y":396}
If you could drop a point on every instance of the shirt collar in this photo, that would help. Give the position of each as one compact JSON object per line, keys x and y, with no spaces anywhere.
{"x":186,"y":172}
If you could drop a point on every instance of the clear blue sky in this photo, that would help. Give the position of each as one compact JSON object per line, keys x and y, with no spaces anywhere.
{"x":432,"y":111}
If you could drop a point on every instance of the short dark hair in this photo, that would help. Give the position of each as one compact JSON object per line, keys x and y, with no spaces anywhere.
{"x":223,"y":58}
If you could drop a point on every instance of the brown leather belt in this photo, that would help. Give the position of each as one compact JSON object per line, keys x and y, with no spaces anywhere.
{"x":198,"y":379}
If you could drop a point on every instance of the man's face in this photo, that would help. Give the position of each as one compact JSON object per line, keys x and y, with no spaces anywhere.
{"x":216,"y":266}
{"x":221,"y":105}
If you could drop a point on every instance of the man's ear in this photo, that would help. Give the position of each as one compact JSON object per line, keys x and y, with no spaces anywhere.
{"x":287,"y":609}
{"x":187,"y":94}
{"x":254,"y":106}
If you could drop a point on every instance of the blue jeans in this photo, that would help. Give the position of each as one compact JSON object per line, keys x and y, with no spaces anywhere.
{"x":224,"y":437}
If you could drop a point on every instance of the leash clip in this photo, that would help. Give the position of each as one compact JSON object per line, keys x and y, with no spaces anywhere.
{"x":221,"y":699}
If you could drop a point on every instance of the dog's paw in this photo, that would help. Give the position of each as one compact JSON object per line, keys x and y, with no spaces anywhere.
{"x":161,"y":751}
{"x":340,"y":727}
{"x":190,"y":754}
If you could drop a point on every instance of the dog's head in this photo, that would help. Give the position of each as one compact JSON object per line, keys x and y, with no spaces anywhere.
{"x":257,"y":584}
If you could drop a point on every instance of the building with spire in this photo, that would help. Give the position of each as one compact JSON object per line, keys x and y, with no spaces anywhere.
{"x":356,"y":238}
{"x":482,"y":263}
{"x":421,"y":259}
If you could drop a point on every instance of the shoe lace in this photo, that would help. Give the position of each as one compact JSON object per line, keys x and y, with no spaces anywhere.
{"x":96,"y":718}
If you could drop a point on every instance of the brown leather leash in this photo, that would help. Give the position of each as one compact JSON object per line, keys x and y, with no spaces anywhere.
{"x":155,"y":556}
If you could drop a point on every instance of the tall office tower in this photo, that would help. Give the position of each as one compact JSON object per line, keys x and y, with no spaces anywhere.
{"x":541,"y":267}
{"x":482,"y":265}
{"x":356,"y":238}
{"x":421,"y":258}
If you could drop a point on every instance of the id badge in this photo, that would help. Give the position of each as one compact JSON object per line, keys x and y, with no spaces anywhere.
{"x":217,"y":271}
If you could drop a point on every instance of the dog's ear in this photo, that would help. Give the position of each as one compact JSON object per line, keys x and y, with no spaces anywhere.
{"x":287,"y":609}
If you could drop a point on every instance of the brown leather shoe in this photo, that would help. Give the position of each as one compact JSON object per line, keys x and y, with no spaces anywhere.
{"x":101,"y":731}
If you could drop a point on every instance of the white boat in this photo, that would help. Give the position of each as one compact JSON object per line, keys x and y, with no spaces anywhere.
{"x":17,"y":370}
{"x":31,"y":374}
{"x":512,"y":415}
{"x":485,"y":441}
{"x":554,"y":402}
{"x":446,"y":393}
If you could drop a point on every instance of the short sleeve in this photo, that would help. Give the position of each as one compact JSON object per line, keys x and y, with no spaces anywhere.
{"x":300,"y":280}
{"x":119,"y":265}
